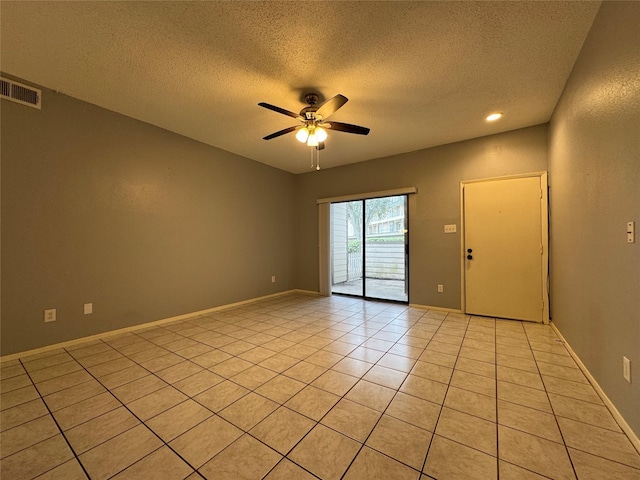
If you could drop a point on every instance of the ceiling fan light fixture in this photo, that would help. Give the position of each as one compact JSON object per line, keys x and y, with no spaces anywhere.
{"x":311,"y":135}
{"x":312,"y":141}
{"x":493,"y":117}
{"x":321,"y":134}
{"x":302,"y":135}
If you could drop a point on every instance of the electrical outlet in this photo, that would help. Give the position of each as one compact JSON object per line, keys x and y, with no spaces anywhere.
{"x":88,"y":308}
{"x":626,"y":369}
{"x":273,"y":279}
{"x":50,"y":315}
{"x":440,"y":288}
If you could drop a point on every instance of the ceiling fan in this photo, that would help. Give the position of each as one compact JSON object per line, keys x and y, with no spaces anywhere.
{"x":314,"y":121}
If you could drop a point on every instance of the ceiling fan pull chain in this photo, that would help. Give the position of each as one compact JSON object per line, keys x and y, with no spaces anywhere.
{"x":315,"y":158}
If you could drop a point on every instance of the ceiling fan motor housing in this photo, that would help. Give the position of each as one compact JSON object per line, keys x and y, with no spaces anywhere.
{"x":308,"y":113}
{"x":311,"y":98}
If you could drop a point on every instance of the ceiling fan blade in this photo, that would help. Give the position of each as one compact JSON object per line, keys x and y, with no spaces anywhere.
{"x":331,"y":106}
{"x":279,"y":110}
{"x":347,"y":127}
{"x":282,"y":132}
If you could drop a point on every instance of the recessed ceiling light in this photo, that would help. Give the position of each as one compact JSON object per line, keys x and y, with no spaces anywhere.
{"x":493,"y":117}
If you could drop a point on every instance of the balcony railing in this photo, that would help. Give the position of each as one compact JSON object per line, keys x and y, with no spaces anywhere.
{"x":385,"y":260}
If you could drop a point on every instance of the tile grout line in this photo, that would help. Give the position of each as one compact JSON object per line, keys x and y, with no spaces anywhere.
{"x":363,"y":443}
{"x":318,"y":422}
{"x":524,"y":331}
{"x":204,"y":406}
{"x":497,"y":413}
{"x":214,"y":413}
{"x":243,"y":321}
{"x":134,"y":415}
{"x":555,"y":417}
{"x":453,"y":368}
{"x":196,"y":470}
{"x":495,"y":359}
{"x":73,"y":452}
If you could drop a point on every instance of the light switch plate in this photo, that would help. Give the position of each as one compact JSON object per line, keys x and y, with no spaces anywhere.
{"x":450,"y":228}
{"x":88,"y":308}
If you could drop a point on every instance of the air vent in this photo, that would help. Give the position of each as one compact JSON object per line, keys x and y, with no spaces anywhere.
{"x":19,"y":93}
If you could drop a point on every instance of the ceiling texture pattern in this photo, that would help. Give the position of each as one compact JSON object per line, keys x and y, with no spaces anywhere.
{"x":419,"y":74}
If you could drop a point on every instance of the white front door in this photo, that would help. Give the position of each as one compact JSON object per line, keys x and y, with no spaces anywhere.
{"x":504,"y":248}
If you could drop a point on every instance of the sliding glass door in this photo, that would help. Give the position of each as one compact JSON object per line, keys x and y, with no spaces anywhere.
{"x":369,"y":248}
{"x":346,"y":248}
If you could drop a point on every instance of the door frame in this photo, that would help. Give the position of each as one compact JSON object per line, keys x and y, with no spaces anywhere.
{"x":544,"y":215}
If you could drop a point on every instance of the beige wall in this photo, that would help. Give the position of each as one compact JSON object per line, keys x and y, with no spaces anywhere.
{"x":594,"y":165}
{"x":144,"y":223}
{"x":436,"y":172}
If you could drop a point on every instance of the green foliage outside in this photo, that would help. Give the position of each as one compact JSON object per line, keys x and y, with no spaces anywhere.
{"x":354,"y":243}
{"x":397,"y":239}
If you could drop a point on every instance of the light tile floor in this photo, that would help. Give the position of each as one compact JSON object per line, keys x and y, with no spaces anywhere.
{"x":303,"y":387}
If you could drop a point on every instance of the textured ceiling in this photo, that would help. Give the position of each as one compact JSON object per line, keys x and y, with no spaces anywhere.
{"x":418,"y":74}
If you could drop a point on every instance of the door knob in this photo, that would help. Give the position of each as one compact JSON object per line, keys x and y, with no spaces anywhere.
{"x":469,"y":250}
{"x":469,"y":257}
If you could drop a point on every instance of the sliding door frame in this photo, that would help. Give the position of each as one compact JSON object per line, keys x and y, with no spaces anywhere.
{"x":324,"y":232}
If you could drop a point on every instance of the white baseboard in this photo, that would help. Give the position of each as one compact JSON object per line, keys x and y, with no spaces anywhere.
{"x":141,"y":326}
{"x":429,"y":307}
{"x":605,"y":399}
{"x":306,"y":292}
